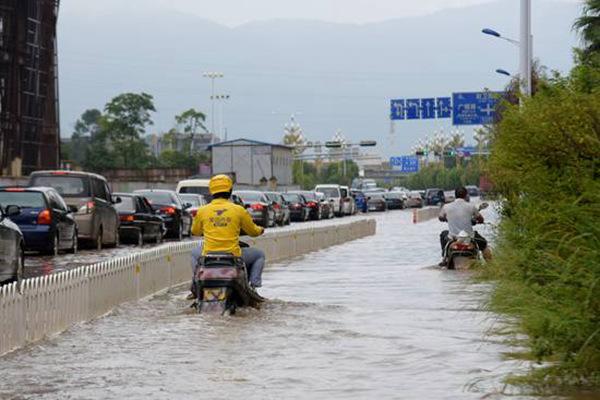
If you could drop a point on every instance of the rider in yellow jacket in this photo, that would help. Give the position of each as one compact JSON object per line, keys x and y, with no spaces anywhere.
{"x":221,"y":222}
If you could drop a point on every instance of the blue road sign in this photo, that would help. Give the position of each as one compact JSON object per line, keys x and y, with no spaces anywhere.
{"x":413,"y":109}
{"x":397,"y":109}
{"x":427,"y":108}
{"x":406,"y":164}
{"x":444,"y":107}
{"x":474,"y":108}
{"x":410,"y":164}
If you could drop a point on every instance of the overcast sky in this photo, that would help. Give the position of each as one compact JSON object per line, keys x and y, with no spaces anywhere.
{"x":236,"y":12}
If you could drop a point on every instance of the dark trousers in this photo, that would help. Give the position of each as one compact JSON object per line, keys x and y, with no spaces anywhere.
{"x":479,"y":240}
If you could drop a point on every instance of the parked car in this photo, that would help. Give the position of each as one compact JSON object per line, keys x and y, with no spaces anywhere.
{"x":280,"y":206}
{"x":196,"y":201}
{"x":173,"y":211}
{"x":334,"y":196}
{"x":259,"y":207}
{"x":348,"y":206}
{"x":414,"y":199}
{"x":297,"y":205}
{"x":449,"y":196}
{"x":376,"y":201}
{"x":89,"y":197}
{"x":434,"y":197}
{"x":195,"y":186}
{"x":325,"y":205}
{"x":12,"y":246}
{"x":394,"y":200}
{"x":45,"y":220}
{"x":139,"y":221}
{"x":473,"y":191}
{"x":315,"y":207}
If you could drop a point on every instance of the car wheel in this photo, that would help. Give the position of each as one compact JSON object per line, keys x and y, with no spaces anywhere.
{"x":74,"y":243}
{"x":99,"y":243}
{"x":53,"y":250}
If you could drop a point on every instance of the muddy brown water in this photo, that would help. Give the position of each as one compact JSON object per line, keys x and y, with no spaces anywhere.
{"x":363,"y":320}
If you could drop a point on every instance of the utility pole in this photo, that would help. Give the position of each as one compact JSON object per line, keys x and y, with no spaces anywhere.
{"x":525,"y":46}
{"x":212,"y":76}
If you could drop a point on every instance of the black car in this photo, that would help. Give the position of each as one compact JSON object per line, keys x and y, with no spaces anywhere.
{"x":139,"y":221}
{"x":297,"y":205}
{"x":12,"y":246}
{"x":46,"y":222}
{"x":259,"y":207}
{"x":394,"y":200}
{"x":173,"y":211}
{"x":314,"y":205}
{"x":376,"y":201}
{"x":473,"y":190}
{"x":434,"y":197}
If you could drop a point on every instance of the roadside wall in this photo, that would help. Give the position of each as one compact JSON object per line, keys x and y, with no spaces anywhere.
{"x":51,"y":304}
{"x":425,"y":214}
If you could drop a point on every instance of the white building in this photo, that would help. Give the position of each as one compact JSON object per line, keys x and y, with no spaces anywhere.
{"x":252,"y":162}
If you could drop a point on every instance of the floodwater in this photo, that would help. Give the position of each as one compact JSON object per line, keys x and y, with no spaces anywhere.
{"x":363,"y":320}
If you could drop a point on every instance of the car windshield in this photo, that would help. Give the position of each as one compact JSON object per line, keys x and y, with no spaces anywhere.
{"x":67,"y":186}
{"x":292,"y":198}
{"x":309,"y":196}
{"x":248,"y":197}
{"x":127,"y":204}
{"x":433,"y":192}
{"x":203,"y":190}
{"x":376,"y":195}
{"x":23,"y":199}
{"x":414,"y":194}
{"x":193,"y":199}
{"x":159,"y":197}
{"x":273,"y":197}
{"x":330,"y":192}
{"x":393,"y":195}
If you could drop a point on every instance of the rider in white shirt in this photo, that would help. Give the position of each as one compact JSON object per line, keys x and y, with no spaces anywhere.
{"x":460,"y":215}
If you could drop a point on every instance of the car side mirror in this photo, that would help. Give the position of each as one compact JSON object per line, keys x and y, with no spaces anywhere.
{"x":12,"y":211}
{"x":117,"y":199}
{"x":483,"y":206}
{"x":73,"y":209}
{"x":187,"y":205}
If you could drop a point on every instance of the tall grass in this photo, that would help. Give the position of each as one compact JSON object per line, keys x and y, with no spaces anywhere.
{"x":546,"y":163}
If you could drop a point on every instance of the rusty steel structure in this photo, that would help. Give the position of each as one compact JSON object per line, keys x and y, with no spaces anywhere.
{"x":29,"y":112}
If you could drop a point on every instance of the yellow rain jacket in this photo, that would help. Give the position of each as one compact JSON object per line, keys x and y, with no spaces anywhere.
{"x":220,"y":223}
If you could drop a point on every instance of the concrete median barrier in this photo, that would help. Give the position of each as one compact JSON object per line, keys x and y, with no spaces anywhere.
{"x":48,"y":305}
{"x":425,"y":214}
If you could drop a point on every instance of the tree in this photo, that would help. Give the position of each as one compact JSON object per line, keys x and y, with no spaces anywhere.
{"x":125,"y":120}
{"x":190,"y":121}
{"x":589,"y":27}
{"x":86,"y":128}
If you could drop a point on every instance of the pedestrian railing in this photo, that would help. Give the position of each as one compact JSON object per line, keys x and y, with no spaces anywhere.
{"x":47,"y":305}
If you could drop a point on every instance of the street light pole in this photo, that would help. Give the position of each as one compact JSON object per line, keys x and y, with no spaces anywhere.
{"x":525,"y":47}
{"x":212,"y":76}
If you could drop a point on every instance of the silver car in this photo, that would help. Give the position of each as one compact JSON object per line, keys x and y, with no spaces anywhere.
{"x":12,"y":246}
{"x":89,"y":197}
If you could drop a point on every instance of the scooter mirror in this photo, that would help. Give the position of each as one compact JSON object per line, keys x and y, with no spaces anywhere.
{"x":483,"y":206}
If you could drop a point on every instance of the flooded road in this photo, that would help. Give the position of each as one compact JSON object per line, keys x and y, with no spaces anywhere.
{"x":367,"y":319}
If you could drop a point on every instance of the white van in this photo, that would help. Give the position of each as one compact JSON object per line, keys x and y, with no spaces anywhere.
{"x":333,"y":193}
{"x":195,"y":186}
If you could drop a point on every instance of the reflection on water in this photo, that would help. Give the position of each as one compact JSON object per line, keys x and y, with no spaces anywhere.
{"x":361,"y":320}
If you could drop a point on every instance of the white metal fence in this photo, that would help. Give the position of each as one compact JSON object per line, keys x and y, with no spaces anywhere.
{"x":51,"y":304}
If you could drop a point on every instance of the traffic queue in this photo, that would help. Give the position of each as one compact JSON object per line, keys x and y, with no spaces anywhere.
{"x":62,"y":211}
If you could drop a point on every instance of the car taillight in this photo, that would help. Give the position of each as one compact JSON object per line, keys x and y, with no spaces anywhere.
{"x":257,"y":207}
{"x":193,"y":212}
{"x":126,"y":218}
{"x":86,"y":208}
{"x":168,"y":210}
{"x":276,"y":206}
{"x":311,"y":204}
{"x":44,"y":218}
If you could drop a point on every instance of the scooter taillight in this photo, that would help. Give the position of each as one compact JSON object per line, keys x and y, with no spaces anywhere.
{"x":462,"y":246}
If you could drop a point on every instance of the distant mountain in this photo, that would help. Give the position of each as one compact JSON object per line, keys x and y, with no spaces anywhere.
{"x":331,"y":75}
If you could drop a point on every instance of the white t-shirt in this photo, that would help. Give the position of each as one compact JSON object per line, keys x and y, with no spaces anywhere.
{"x":459,"y":214}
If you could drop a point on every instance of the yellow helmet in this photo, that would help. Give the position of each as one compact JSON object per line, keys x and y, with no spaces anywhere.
{"x":220,"y":184}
